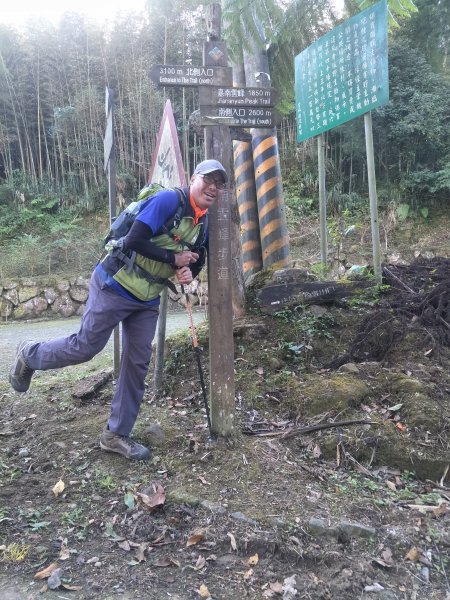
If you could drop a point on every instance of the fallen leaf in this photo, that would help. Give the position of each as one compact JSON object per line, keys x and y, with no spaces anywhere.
{"x":129,"y":500}
{"x":395,"y":408}
{"x":260,"y":371}
{"x":413,"y":554}
{"x":204,"y":592}
{"x":232,"y":541}
{"x":163,"y":561}
{"x":47,"y":571}
{"x":64,"y":553}
{"x":125,"y":545}
{"x":386,"y":559}
{"x":386,"y":555}
{"x":317,"y":451}
{"x":201,"y":562}
{"x":276,"y":587}
{"x":154,"y":501}
{"x":440,"y":510}
{"x":166,"y":561}
{"x":253,"y":560}
{"x":203,"y":480}
{"x":140,"y":552}
{"x":441,"y":483}
{"x":58,"y":488}
{"x":73,"y":588}
{"x":195,"y":538}
{"x":400,"y":426}
{"x":391,"y":485}
{"x":248,"y":574}
{"x":423,"y":508}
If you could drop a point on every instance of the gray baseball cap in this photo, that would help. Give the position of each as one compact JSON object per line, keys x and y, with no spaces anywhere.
{"x":209,"y":166}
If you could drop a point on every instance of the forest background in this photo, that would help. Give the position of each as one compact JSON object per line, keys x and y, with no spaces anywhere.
{"x":53,"y":190}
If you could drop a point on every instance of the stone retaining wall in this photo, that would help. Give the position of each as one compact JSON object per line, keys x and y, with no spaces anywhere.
{"x":51,"y":297}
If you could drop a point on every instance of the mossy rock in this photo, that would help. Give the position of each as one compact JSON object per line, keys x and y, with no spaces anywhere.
{"x":319,"y":394}
{"x":384,"y":444}
{"x":398,"y":383}
{"x":423,"y":412}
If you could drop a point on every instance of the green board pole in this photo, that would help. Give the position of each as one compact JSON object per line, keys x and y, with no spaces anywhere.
{"x":322,"y":201}
{"x":373,"y":198}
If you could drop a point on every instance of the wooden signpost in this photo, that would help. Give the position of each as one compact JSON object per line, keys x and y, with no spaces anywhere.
{"x":276,"y":297}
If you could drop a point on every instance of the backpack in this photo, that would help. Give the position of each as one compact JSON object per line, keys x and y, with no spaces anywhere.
{"x":121,"y":224}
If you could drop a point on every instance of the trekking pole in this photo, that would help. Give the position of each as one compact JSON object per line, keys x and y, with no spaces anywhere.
{"x":197,"y":355}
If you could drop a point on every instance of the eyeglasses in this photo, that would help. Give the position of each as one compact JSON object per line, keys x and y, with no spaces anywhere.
{"x":220,"y":185}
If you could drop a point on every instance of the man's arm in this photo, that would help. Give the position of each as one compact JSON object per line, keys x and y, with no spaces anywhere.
{"x":138,"y":240}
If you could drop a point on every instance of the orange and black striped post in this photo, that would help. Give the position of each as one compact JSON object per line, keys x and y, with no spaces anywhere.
{"x":269,"y":193}
{"x":248,"y":208}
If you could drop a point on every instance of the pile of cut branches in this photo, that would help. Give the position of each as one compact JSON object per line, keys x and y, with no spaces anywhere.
{"x":419,"y":297}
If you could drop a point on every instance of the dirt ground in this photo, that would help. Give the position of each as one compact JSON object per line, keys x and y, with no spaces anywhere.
{"x":356,"y":509}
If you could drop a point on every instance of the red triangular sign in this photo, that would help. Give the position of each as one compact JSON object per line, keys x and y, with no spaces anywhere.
{"x":167,"y":164}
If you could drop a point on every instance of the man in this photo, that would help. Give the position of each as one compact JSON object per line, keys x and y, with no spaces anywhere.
{"x":125,"y":287}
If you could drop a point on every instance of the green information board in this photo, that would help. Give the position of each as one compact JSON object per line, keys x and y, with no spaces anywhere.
{"x":343,"y":74}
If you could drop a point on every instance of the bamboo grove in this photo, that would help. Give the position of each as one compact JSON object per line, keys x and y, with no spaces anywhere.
{"x":52,"y":100}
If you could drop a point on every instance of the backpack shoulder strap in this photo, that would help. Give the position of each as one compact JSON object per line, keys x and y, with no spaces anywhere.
{"x":173,"y":221}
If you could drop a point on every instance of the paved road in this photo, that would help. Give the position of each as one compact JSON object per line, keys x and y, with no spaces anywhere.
{"x":13,"y":333}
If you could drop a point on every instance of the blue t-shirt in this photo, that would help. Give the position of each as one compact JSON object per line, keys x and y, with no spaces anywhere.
{"x":154,"y":213}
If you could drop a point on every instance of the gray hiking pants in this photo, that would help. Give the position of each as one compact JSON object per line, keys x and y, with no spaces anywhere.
{"x":104,"y":311}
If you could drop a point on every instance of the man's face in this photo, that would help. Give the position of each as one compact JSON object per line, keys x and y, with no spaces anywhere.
{"x":204,"y":188}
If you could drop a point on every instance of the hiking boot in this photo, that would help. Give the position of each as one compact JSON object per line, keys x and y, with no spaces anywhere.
{"x":20,"y":373}
{"x":122,"y":444}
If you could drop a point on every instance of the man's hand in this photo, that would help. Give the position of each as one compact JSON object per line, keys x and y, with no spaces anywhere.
{"x":184,"y":275}
{"x":185,"y":258}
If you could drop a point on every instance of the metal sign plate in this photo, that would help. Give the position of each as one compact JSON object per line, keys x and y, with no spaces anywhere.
{"x":242,"y":116}
{"x":186,"y":75}
{"x":108,"y":140}
{"x":236,"y":96}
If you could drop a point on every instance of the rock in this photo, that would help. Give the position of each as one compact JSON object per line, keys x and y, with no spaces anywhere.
{"x":352,"y":530}
{"x":6,"y":308}
{"x":249,"y":331}
{"x":239,"y":516}
{"x":182,"y":497}
{"x":63,"y":286}
{"x":275,"y":363}
{"x":12,"y":295}
{"x":214,"y":507}
{"x":50,"y":295}
{"x":80,"y":294}
{"x":338,"y":392}
{"x":400,"y":383}
{"x":82,"y":282}
{"x":349,"y":368}
{"x":64,"y":306}
{"x":25,"y":293}
{"x":54,"y":581}
{"x":155,"y":434}
{"x":317,"y":311}
{"x":322,"y":527}
{"x":32,"y":308}
{"x":291,"y":275}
